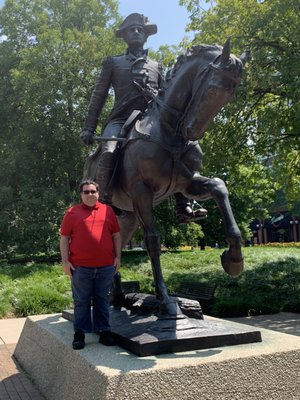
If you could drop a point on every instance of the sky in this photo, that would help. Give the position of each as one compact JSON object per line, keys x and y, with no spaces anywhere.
{"x":170,"y":18}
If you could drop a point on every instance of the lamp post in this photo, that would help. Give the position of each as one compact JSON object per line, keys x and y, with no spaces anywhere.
{"x":295,"y":229}
{"x":260,"y":231}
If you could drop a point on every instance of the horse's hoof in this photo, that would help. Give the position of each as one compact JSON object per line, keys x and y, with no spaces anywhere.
{"x":231,"y":267}
{"x":170,"y":309}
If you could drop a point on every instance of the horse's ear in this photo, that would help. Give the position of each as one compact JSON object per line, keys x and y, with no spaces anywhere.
{"x":226,"y":52}
{"x":246,"y":56}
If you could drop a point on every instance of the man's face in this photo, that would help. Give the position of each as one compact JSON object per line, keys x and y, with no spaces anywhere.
{"x":89,"y":195}
{"x":135,"y":36}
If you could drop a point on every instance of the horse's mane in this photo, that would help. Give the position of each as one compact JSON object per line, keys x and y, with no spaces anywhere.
{"x":194,"y":51}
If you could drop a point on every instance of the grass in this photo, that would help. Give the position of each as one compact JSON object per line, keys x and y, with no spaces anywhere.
{"x":32,"y":288}
{"x":270,"y":282}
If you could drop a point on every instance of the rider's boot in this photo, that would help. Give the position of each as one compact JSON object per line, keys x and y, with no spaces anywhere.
{"x":104,"y":175}
{"x":188,"y":211}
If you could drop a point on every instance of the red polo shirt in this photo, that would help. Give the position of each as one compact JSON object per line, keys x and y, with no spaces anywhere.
{"x":90,"y":230}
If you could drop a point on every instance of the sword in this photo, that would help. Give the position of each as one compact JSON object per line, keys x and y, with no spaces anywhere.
{"x":112,"y":139}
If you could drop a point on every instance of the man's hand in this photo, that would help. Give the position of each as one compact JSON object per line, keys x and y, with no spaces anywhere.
{"x":87,"y":136}
{"x":68,"y":267}
{"x":117,"y":263}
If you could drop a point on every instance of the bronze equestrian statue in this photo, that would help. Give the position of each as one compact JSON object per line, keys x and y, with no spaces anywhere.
{"x":135,"y":79}
{"x":161,"y":156}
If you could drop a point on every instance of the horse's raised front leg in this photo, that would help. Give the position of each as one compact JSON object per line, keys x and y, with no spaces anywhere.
{"x":142,"y":198}
{"x":231,"y":259}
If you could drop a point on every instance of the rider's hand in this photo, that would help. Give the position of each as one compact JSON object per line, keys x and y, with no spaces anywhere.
{"x":87,"y":136}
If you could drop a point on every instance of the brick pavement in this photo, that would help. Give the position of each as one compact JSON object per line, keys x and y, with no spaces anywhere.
{"x":14,"y":384}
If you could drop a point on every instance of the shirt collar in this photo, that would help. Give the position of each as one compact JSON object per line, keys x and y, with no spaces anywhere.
{"x":95,"y":207}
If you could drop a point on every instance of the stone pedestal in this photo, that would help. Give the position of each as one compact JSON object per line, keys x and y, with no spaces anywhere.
{"x":265,"y":370}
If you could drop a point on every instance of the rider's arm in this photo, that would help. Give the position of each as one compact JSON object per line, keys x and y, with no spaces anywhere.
{"x":99,"y":95}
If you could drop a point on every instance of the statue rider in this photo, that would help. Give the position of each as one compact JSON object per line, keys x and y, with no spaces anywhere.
{"x":135,"y":78}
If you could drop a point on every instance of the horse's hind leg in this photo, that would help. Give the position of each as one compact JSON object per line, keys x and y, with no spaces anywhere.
{"x":204,"y":188}
{"x":143,"y":203}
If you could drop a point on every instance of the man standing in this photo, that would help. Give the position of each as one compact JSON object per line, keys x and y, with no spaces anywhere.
{"x":135,"y":79}
{"x":90,"y":248}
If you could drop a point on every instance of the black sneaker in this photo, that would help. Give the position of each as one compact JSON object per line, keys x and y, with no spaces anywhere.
{"x":78,"y":342}
{"x":107,"y":338}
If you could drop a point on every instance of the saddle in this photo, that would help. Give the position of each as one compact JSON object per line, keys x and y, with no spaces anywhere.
{"x":92,"y":161}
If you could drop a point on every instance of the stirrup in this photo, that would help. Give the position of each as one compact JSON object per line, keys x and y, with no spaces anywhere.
{"x":191,"y":213}
{"x":198,"y":210}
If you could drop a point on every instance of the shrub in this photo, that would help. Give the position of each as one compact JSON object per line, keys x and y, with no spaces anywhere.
{"x":34,"y":299}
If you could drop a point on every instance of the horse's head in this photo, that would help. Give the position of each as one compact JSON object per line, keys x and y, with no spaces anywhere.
{"x":210,"y":76}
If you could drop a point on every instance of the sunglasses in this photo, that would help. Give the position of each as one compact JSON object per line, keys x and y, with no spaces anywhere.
{"x":89,"y":191}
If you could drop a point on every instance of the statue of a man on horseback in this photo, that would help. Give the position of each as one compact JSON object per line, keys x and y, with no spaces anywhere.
{"x":161,"y":155}
{"x":135,"y":79}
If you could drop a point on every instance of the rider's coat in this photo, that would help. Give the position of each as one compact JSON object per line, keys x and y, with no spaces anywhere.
{"x":133,"y":78}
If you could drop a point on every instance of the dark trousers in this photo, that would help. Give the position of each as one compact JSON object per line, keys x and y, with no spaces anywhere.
{"x":90,"y":287}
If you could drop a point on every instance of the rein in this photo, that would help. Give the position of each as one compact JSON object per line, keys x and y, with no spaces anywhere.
{"x":201,"y":77}
{"x":181,"y":120}
{"x":204,"y":72}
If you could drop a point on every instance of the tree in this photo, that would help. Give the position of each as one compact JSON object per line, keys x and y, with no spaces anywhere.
{"x":265,"y":119}
{"x":172,"y":234}
{"x":254,"y":143}
{"x":50,"y":55}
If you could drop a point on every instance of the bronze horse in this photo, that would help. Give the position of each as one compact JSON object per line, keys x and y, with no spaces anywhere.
{"x":162,"y":156}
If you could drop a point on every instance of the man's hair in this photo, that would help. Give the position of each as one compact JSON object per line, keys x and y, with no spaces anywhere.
{"x":88,"y":182}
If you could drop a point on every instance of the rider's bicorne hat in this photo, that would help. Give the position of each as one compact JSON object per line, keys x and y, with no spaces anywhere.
{"x":136,"y":19}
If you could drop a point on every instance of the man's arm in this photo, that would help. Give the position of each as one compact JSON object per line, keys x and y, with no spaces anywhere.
{"x":117,"y":248}
{"x":97,"y":101}
{"x":64,"y":252}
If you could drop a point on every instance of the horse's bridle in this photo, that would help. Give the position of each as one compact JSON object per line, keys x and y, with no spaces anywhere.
{"x":181,"y":115}
{"x":225,"y":73}
{"x":212,"y":65}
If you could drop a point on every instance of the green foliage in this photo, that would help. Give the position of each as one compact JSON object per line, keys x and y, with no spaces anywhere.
{"x":172,"y":234}
{"x":32,"y":289}
{"x":33,"y":299}
{"x":269,"y":287}
{"x":50,"y":55}
{"x":6,"y":292}
{"x":264,"y":122}
{"x":270,"y":282}
{"x":167,"y":55}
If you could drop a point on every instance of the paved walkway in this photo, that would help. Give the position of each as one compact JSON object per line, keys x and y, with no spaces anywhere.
{"x":15,"y":385}
{"x":283,"y":322}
